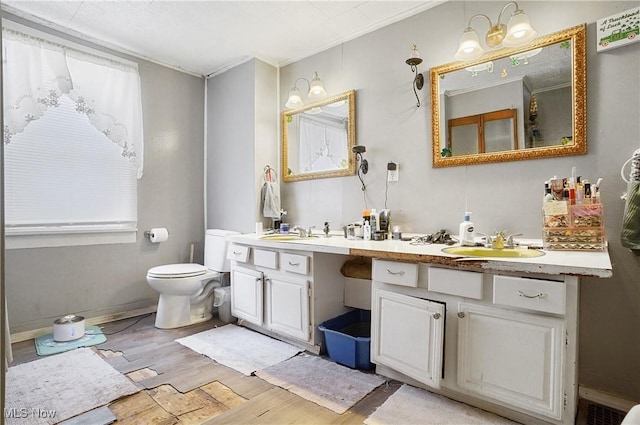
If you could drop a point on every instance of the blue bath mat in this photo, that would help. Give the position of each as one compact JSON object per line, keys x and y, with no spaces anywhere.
{"x":45,"y":345}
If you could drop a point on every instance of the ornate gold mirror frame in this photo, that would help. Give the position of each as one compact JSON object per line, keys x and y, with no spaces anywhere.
{"x":573,"y":38}
{"x":317,"y":140}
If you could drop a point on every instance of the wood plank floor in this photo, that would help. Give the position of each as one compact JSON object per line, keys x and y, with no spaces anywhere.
{"x":184,"y":387}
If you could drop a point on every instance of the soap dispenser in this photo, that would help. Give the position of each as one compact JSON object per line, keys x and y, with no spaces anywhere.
{"x":467,"y":231}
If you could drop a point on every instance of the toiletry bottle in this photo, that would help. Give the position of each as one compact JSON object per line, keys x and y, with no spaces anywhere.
{"x":366,"y":231}
{"x":374,"y":220}
{"x":366,"y":216}
{"x":587,"y":192}
{"x":467,"y":231}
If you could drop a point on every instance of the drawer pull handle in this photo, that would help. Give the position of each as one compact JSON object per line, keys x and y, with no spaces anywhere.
{"x":540,"y":295}
{"x":461,"y":314}
{"x":294,"y":264}
{"x":436,"y":316}
{"x":237,"y":252}
{"x":400,"y":273}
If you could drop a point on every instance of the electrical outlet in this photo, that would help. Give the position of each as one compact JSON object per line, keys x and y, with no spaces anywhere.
{"x":392,"y":172}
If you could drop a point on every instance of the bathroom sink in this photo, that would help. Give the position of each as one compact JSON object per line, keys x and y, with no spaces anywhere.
{"x":289,"y":237}
{"x":478,"y":251}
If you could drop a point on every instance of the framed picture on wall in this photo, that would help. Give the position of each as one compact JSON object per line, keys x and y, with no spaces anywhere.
{"x":618,"y":30}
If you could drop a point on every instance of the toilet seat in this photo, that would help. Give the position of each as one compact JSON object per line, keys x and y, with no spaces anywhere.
{"x":177,"y":271}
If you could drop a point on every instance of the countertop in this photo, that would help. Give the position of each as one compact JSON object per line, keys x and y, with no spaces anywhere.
{"x":576,"y":263}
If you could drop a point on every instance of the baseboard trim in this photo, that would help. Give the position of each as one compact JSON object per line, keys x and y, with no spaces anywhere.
{"x":98,"y":320}
{"x":606,"y":399}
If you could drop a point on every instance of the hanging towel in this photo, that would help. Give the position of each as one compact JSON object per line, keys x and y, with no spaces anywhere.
{"x":270,"y":196}
{"x":630,"y":236}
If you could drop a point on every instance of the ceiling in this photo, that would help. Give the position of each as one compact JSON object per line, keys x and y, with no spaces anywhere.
{"x":208,"y":37}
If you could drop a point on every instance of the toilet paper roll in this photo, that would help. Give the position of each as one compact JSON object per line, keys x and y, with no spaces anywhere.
{"x":159,"y":234}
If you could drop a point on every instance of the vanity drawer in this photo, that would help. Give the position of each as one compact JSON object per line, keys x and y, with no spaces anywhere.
{"x":455,"y":282}
{"x":396,"y":273}
{"x":238,"y":253}
{"x":534,"y":294}
{"x":295,"y":263}
{"x":265,"y":258}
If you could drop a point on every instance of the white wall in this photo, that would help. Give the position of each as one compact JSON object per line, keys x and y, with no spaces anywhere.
{"x":241,"y":139}
{"x":503,"y":195}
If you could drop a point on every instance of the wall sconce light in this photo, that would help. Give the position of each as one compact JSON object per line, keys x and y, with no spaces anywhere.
{"x":364,"y":164}
{"x":414,"y":61}
{"x":316,"y":91}
{"x":516,"y":33}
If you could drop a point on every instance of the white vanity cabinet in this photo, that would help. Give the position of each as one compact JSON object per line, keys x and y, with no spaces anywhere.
{"x":407,"y":335}
{"x":509,"y":341}
{"x":407,"y":332}
{"x":512,"y":357}
{"x":247,"y":288}
{"x":285,"y":293}
{"x":516,"y":350}
{"x":288,"y":301}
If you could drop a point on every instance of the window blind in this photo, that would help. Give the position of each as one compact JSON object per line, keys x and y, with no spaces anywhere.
{"x":63,"y":175}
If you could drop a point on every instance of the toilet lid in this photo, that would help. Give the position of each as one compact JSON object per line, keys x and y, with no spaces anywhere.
{"x":177,"y":270}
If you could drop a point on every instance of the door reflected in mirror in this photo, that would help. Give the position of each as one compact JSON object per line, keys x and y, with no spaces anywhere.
{"x":317,"y":139}
{"x":512,"y":104}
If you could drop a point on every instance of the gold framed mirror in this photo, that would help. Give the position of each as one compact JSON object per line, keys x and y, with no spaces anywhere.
{"x":317,"y":140}
{"x":512,"y":104}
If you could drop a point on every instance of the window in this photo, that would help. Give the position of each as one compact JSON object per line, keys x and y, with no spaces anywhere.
{"x":73,"y":144}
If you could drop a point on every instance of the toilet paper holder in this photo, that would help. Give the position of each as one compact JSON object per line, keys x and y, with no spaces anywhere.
{"x":147,"y":234}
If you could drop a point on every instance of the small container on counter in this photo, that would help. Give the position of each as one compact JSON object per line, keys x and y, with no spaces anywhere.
{"x":284,"y":228}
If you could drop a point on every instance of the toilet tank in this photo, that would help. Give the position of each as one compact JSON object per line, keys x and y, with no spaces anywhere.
{"x":215,"y":249}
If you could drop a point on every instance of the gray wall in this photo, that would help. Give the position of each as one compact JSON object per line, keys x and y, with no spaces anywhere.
{"x":46,"y":283}
{"x":501,"y":196}
{"x":242,"y":118}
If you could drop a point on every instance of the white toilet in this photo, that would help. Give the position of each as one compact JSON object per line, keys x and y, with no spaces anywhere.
{"x":186,"y":290}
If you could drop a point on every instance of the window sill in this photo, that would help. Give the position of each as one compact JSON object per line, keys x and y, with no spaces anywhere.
{"x":68,"y":239}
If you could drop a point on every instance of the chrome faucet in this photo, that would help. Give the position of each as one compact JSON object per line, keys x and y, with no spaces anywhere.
{"x":510,"y":243}
{"x":303,"y":233}
{"x":500,"y":241}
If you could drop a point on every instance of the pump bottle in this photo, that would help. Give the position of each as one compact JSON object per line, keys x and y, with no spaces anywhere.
{"x":374,"y":221}
{"x":467,"y":231}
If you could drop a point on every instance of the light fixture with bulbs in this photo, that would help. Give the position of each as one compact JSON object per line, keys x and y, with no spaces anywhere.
{"x":316,"y":91}
{"x":413,"y":61}
{"x":516,"y":33}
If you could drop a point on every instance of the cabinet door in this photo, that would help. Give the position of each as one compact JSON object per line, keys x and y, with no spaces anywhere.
{"x":511,"y":357}
{"x":246,"y":294}
{"x":288,"y":306}
{"x":407,"y":335}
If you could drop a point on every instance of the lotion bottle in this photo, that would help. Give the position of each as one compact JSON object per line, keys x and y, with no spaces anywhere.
{"x":366,"y":231}
{"x":467,"y":231}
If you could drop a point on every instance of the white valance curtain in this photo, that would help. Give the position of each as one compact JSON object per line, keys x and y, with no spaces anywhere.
{"x":37,"y":72}
{"x":323,"y":144}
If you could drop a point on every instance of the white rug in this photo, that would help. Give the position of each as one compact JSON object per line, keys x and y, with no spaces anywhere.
{"x":323,"y":382}
{"x":61,"y":386}
{"x":410,"y":405}
{"x":239,"y":348}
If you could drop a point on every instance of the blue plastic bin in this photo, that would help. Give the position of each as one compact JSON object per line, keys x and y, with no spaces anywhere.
{"x":347,"y":339}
